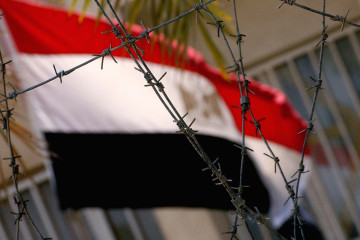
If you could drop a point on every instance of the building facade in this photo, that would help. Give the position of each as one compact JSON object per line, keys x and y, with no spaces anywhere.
{"x":280,"y":49}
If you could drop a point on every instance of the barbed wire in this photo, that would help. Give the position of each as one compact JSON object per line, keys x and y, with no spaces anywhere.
{"x":309,"y":128}
{"x":20,"y":201}
{"x":336,"y":18}
{"x":317,"y":86}
{"x":108,"y":51}
{"x":158,"y":88}
{"x":238,"y":68}
{"x":129,"y":43}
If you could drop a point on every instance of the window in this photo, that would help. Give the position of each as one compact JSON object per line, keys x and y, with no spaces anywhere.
{"x":336,"y":146}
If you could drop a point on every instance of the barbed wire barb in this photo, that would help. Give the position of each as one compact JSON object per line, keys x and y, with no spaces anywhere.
{"x":337,"y":18}
{"x":245,"y":100}
{"x":19,"y":200}
{"x":130,"y":42}
{"x":309,"y":127}
{"x":183,"y":127}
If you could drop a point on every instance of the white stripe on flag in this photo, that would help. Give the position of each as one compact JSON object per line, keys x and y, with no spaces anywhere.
{"x":115,"y":100}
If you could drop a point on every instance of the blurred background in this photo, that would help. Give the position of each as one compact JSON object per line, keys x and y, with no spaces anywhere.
{"x":280,"y":49}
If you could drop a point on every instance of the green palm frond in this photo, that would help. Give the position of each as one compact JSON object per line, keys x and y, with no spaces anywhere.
{"x":134,"y":10}
{"x":213,"y":49}
{"x":72,"y":6}
{"x":155,"y":12}
{"x":84,"y":9}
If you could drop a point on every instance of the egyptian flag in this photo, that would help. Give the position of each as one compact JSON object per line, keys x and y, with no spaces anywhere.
{"x":112,"y":142}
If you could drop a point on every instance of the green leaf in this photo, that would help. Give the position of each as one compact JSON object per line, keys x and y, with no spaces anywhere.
{"x":169,"y":8}
{"x":175,"y":28}
{"x":84,"y":10}
{"x":72,"y":7}
{"x":221,"y":14}
{"x":99,"y":13}
{"x":117,"y":4}
{"x":134,"y":10}
{"x":158,"y":12}
{"x":182,"y":42}
{"x":217,"y":56}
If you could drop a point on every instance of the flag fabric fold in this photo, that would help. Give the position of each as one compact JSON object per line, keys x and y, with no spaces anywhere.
{"x":115,"y":145}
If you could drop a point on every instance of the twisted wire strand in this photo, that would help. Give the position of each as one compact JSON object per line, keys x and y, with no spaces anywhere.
{"x":245,"y":100}
{"x":236,"y":199}
{"x":129,"y":43}
{"x":318,"y":87}
{"x":336,"y":18}
{"x":22,"y":206}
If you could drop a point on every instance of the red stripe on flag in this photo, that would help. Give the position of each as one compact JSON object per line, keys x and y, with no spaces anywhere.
{"x":40,"y":29}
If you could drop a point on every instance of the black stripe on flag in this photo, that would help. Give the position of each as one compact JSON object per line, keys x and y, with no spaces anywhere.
{"x":146,"y":170}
